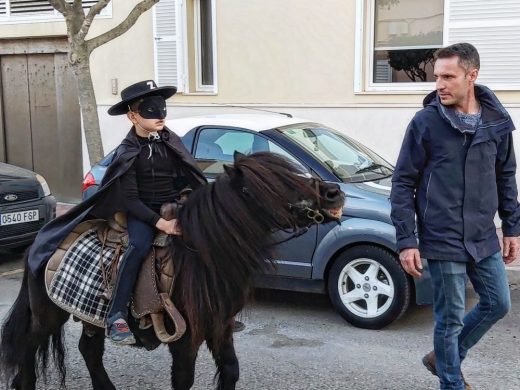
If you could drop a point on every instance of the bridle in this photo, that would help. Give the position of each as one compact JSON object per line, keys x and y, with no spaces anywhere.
{"x":302,"y":208}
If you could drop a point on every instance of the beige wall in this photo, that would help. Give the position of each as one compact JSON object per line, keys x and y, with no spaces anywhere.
{"x":292,"y":55}
{"x":291,"y":52}
{"x":127,"y":58}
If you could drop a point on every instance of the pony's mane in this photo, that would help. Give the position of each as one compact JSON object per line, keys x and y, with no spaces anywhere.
{"x":226,"y":237}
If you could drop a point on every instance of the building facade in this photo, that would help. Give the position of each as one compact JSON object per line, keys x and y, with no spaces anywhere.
{"x":361,"y":66}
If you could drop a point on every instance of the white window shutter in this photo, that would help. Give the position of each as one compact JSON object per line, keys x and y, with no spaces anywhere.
{"x":493,"y":27}
{"x":383,"y":73}
{"x":168,"y":43}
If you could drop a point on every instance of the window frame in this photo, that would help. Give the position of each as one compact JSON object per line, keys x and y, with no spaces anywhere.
{"x":364,"y":53}
{"x":199,"y":87}
{"x":54,"y":16}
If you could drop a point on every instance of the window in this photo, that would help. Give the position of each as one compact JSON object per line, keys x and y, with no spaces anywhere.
{"x":185,"y":45}
{"x":215,"y":147}
{"x":20,"y":10}
{"x":406,"y":34}
{"x":395,"y":41}
{"x":347,"y":159}
{"x":204,"y":44}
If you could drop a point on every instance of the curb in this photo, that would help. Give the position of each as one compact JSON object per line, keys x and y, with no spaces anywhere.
{"x":513,"y":269}
{"x":513,"y":275}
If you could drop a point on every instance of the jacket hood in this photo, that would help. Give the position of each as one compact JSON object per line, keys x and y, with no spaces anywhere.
{"x":493,"y":112}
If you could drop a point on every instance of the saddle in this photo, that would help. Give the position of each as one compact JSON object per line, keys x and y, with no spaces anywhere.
{"x":81,"y":274}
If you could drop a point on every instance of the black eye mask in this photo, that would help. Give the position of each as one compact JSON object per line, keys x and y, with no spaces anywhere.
{"x":152,"y":107}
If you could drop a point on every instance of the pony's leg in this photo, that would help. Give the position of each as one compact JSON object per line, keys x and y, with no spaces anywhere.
{"x":92,"y":349}
{"x":26,"y":377}
{"x":183,"y":363}
{"x":33,"y":325}
{"x":226,"y":360}
{"x":39,"y":337}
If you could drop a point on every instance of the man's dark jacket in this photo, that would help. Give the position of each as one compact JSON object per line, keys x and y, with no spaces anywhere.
{"x":454,"y":183}
{"x":108,"y":199}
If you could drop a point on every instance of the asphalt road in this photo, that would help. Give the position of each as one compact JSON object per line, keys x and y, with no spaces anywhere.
{"x":296,"y":341}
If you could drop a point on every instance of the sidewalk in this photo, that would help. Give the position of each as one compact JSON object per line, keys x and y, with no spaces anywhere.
{"x":513,"y":269}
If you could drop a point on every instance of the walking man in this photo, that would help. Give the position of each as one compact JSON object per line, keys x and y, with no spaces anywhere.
{"x":456,"y":168}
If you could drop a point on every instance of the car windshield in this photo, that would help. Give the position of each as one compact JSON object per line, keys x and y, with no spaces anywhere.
{"x":347,"y":159}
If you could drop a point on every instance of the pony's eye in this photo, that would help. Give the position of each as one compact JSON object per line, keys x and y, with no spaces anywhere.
{"x":150,"y":109}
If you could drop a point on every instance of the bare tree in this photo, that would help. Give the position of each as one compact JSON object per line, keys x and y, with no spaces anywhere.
{"x":414,"y":63}
{"x":386,"y":3}
{"x":78,"y":25}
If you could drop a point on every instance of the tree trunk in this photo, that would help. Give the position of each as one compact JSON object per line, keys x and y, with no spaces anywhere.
{"x":89,"y":114}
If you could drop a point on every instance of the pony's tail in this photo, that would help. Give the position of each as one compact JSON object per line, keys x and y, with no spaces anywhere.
{"x":14,"y":334}
{"x":16,"y":339}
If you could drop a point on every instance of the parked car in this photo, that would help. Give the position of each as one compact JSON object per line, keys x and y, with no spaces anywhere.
{"x":354,"y":262}
{"x":26,"y":204}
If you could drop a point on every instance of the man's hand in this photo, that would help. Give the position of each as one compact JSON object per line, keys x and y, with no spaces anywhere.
{"x":510,"y":249}
{"x":169,"y":227}
{"x":411,"y":261}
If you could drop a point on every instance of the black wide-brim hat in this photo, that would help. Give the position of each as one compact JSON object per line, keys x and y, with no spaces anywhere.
{"x":137,"y":91}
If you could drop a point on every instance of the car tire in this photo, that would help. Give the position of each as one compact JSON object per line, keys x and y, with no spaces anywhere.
{"x":368,"y":287}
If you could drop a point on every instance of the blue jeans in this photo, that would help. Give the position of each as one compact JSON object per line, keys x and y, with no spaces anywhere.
{"x":454,"y":332}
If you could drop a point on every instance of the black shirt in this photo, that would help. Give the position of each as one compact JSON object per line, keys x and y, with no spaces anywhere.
{"x":156,"y":177}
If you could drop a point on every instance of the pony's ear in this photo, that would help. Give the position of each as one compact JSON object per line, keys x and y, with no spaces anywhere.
{"x":230,"y":170}
{"x":238,"y":156}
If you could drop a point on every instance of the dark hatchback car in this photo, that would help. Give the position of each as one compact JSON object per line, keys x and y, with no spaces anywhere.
{"x":354,"y":262}
{"x":26,"y":204}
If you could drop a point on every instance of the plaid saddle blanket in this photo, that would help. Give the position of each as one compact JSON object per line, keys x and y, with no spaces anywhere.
{"x":78,"y":284}
{"x":79,"y":275}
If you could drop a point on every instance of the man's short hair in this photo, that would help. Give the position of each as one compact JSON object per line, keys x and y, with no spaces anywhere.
{"x":468,"y":55}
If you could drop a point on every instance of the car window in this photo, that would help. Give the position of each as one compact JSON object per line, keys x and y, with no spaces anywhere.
{"x":346,"y":158}
{"x":215,"y":147}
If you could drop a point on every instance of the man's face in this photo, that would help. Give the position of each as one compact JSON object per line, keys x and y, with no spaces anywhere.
{"x":453,"y":83}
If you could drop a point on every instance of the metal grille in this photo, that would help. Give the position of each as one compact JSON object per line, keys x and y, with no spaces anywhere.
{"x":27,"y":7}
{"x":21,"y":228}
{"x":22,"y":196}
{"x":30,"y":7}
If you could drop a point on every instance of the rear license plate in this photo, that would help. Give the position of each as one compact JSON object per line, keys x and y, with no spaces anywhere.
{"x":19,"y":217}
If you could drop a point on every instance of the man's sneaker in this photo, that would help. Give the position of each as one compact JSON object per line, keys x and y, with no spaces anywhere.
{"x":119,"y":332}
{"x":429,"y":362}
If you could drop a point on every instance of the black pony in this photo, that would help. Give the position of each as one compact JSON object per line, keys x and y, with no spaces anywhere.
{"x":227,"y":230}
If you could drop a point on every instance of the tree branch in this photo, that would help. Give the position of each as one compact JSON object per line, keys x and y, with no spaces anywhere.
{"x":97,"y":8}
{"x":77,"y":5}
{"x":61,"y":6}
{"x":92,"y":12}
{"x":122,"y":27}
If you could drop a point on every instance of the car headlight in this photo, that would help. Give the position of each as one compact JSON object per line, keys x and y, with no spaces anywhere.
{"x":45,"y":186}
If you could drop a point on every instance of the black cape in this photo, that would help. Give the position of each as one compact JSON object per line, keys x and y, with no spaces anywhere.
{"x":108,"y":199}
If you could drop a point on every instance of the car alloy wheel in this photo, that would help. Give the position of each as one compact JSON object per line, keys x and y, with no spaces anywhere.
{"x":368,"y":286}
